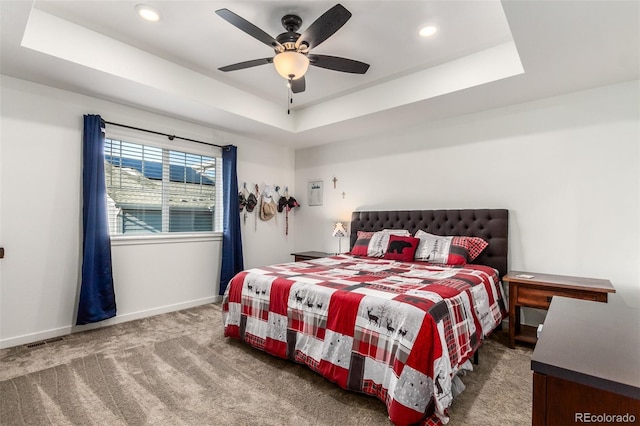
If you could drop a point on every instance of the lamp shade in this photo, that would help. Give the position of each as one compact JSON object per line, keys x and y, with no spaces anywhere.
{"x":291,"y":65}
{"x":339,"y":230}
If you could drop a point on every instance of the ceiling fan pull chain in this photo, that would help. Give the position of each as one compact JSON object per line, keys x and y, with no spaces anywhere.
{"x":290,"y":97}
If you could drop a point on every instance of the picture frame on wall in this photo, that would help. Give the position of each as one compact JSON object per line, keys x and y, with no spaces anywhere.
{"x":316,"y":188}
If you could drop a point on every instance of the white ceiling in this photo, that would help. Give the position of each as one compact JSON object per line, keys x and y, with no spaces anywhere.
{"x":486,"y":54}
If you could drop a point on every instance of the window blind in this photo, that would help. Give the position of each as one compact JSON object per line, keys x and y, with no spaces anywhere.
{"x":157,"y":190}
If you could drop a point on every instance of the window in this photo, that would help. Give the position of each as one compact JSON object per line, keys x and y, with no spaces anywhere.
{"x":153,"y":190}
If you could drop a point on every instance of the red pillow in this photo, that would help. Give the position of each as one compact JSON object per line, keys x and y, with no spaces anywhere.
{"x":362,"y":243}
{"x":401,"y":248}
{"x":473,"y":246}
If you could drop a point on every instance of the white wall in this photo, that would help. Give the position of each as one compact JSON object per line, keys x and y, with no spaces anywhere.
{"x":567,"y":168}
{"x":265,"y":243}
{"x":40,"y":217}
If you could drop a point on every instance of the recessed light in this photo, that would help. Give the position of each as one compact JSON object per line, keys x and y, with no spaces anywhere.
{"x":428,"y":31}
{"x":148,"y":13}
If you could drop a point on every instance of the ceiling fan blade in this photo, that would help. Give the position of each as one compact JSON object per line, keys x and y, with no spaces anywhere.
{"x":247,"y":27}
{"x":246,"y":64}
{"x":298,"y":86}
{"x":336,"y":63}
{"x":324,"y":27}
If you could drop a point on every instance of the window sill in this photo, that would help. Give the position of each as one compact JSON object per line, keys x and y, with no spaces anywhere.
{"x":126,"y":240}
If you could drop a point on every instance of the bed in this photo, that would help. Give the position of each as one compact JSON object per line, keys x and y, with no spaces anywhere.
{"x":399,"y":330}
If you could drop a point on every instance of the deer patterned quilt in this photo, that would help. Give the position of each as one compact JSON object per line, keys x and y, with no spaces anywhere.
{"x":399,"y":331}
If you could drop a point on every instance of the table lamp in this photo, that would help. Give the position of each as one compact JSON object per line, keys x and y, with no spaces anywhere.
{"x":339,"y":230}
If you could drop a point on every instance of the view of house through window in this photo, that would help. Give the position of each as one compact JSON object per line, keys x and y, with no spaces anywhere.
{"x":154,"y":190}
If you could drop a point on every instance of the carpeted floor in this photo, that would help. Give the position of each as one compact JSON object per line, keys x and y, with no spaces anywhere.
{"x":178,"y":369}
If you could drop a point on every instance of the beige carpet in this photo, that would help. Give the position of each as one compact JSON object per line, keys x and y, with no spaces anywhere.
{"x":178,"y":369}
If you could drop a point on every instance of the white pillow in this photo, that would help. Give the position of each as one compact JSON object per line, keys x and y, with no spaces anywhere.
{"x":433,"y":248}
{"x":380,"y":241}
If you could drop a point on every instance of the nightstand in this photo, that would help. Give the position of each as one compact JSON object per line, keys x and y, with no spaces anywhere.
{"x":534,"y":290}
{"x":309,"y":255}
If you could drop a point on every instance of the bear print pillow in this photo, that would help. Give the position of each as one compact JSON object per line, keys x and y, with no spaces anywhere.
{"x":401,"y":248}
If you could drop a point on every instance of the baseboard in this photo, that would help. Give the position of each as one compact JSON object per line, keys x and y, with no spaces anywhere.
{"x":64,"y":331}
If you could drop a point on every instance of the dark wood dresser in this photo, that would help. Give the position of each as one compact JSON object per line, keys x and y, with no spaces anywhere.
{"x":586,"y":364}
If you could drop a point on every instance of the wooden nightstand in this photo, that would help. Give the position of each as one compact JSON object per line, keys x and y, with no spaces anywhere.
{"x":537,"y":292}
{"x":308,"y":255}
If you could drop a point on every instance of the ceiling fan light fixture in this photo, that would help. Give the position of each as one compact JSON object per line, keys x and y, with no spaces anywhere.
{"x":148,"y":13}
{"x":291,"y":65}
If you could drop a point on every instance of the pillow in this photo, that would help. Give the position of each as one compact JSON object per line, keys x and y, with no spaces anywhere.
{"x":362,"y":243}
{"x":380,"y":241}
{"x":448,"y":250}
{"x":473,"y":245}
{"x":401,"y":248}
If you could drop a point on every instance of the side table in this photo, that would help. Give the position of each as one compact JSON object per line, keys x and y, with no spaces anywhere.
{"x":308,"y":255}
{"x":535,"y":290}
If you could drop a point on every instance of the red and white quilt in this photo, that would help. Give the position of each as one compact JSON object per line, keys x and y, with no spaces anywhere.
{"x":397,"y":330}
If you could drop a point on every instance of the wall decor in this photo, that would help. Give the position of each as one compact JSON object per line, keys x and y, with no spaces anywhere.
{"x":315,"y":192}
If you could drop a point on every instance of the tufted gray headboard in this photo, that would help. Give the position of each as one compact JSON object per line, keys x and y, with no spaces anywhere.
{"x":490,"y":224}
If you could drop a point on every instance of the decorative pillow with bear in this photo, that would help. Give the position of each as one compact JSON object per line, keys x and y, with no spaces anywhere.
{"x":362,"y":243}
{"x":380,"y":241}
{"x":401,"y":248}
{"x":456,"y":250}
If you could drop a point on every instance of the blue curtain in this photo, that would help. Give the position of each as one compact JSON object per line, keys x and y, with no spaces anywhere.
{"x":232,"y":262}
{"x":97,"y":298}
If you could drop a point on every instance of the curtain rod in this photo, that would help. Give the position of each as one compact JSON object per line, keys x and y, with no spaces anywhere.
{"x":171,"y":137}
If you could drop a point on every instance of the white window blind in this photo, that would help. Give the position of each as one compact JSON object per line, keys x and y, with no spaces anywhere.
{"x":154,"y":190}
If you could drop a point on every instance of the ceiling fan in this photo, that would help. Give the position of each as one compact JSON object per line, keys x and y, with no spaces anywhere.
{"x":292,"y":57}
